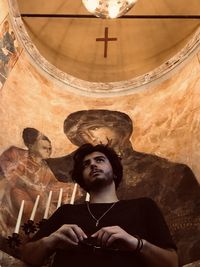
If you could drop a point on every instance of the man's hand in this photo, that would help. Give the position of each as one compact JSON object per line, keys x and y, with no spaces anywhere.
{"x":68,"y":235}
{"x":115,"y":236}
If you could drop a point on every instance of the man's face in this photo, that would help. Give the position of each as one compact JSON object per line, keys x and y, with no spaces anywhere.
{"x":41,"y":148}
{"x":97,"y":171}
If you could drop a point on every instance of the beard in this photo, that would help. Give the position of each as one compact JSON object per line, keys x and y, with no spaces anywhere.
{"x":99,"y":182}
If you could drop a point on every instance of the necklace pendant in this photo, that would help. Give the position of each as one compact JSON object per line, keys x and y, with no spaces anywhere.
{"x":97,"y":220}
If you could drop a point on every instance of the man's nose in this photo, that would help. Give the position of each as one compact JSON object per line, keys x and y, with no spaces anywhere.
{"x":93,"y":165}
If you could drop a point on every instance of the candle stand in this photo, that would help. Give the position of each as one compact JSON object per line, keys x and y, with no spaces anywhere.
{"x":14,"y":241}
{"x":29,"y":227}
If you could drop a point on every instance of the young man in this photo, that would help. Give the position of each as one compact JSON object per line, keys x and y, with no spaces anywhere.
{"x":106,"y":231}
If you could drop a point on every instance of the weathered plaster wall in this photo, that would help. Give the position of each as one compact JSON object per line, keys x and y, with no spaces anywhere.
{"x":165,"y":116}
{"x":4,"y":9}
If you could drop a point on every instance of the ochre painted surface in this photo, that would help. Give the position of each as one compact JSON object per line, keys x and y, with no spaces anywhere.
{"x":4,"y":9}
{"x":142,"y":44}
{"x":165,"y":116}
{"x":165,"y":123}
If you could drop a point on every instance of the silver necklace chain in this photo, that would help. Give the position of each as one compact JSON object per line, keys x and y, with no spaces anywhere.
{"x":97,"y":220}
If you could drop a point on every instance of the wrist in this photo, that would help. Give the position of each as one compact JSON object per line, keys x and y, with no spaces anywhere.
{"x":140,"y":244}
{"x":49,"y":244}
{"x":144,"y":244}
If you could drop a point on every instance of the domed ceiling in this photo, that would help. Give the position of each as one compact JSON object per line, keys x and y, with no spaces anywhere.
{"x":141,"y":41}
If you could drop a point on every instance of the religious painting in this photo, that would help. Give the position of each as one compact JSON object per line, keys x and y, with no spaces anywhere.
{"x":172,"y":185}
{"x":9,"y":50}
{"x":27,"y":185}
{"x":32,"y":172}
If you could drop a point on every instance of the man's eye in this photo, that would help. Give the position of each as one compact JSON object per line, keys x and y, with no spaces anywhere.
{"x":85,"y":164}
{"x":100,"y":160}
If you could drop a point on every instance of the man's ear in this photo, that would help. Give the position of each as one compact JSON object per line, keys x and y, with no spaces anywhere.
{"x":114,"y":176}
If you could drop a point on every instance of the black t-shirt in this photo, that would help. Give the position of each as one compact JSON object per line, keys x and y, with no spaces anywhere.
{"x":139,"y":217}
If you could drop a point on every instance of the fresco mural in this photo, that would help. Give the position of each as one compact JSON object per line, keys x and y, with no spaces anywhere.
{"x":172,"y":185}
{"x":9,"y":50}
{"x":26,"y":173}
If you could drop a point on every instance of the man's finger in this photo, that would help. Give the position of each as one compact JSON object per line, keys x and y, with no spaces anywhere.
{"x":79,"y":232}
{"x":104,"y":238}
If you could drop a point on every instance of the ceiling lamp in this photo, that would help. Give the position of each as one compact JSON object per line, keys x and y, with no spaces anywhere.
{"x":108,"y":8}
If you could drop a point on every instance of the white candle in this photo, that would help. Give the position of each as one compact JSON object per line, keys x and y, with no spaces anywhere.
{"x":60,"y":198}
{"x":19,"y":218}
{"x":48,"y":205}
{"x":34,"y":208}
{"x":87,"y":198}
{"x":73,"y":194}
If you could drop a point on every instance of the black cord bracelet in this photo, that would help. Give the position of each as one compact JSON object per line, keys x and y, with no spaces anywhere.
{"x":139,"y":244}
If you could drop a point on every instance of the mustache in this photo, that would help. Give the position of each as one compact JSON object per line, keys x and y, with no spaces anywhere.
{"x":95,"y":171}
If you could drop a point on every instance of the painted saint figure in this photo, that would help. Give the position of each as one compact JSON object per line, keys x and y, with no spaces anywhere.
{"x":172,"y":186}
{"x":9,"y":51}
{"x":25,"y":174}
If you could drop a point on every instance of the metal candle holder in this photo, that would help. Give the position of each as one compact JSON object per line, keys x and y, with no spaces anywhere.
{"x":14,"y":241}
{"x":29,"y":227}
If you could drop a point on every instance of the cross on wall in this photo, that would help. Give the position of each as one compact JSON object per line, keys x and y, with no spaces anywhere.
{"x":106,"y":39}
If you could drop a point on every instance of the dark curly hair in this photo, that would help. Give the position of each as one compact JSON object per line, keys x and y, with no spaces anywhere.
{"x":86,"y":149}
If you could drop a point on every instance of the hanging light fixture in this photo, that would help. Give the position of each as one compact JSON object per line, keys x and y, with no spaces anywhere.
{"x":108,"y":8}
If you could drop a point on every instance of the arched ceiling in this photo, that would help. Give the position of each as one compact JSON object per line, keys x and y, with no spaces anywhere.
{"x":142,"y":44}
